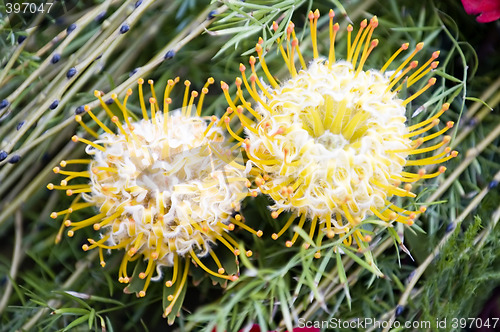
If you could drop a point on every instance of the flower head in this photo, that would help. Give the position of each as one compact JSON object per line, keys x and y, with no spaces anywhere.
{"x":165,"y":187}
{"x":330,"y":143}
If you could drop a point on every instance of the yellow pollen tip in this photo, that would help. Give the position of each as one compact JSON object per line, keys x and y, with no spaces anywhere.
{"x":74,"y":138}
{"x":414,"y":64}
{"x":233,"y":278}
{"x":224,"y":86}
{"x":422,"y":209}
{"x":86,"y":108}
{"x":330,"y":234}
{"x":140,"y":81}
{"x":410,"y":222}
{"x":288,"y":244}
{"x":96,"y":227}
{"x":454,"y":153}
{"x":152,"y":100}
{"x":367,"y":238}
{"x":150,"y":81}
{"x":349,"y":28}
{"x":63,"y":163}
{"x":259,"y":233}
{"x":306,"y":245}
{"x":56,"y":170}
{"x":254,"y":194}
{"x":50,"y":186}
{"x":204,"y":91}
{"x":317,"y":255}
{"x":236,"y":252}
{"x":142,"y":293}
{"x":249,"y":253}
{"x":142,"y":275}
{"x":374,"y":21}
{"x":408,"y":187}
{"x":363,"y":23}
{"x":221,"y":270}
{"x":168,"y":283}
{"x":442,"y":169}
{"x":71,"y":233}
{"x":78,"y":118}
{"x":114,"y":96}
{"x":405,"y":46}
{"x":126,"y":280}
{"x":115,"y":119}
{"x":67,"y":223}
{"x":85,"y":247}
{"x":103,"y":263}
{"x":69,"y":192}
{"x":129,"y":92}
{"x":331,"y":14}
{"x":97,"y":93}
{"x":131,"y":252}
{"x":450,"y":124}
{"x":419,"y":46}
{"x":258,"y":48}
{"x":432,"y":81}
{"x":274,"y":236}
{"x":53,"y":215}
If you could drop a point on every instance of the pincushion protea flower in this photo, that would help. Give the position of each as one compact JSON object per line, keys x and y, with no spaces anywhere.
{"x":330,"y":143}
{"x":165,"y":187}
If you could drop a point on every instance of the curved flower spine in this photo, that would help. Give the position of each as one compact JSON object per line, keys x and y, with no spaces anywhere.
{"x":166,"y":187}
{"x":330,"y":143}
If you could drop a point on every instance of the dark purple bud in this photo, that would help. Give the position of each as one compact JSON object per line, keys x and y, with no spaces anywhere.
{"x":4,"y":103}
{"x":54,"y":104}
{"x":71,"y":28}
{"x":100,"y":17}
{"x":19,"y":125}
{"x":399,"y":310}
{"x":109,"y":101}
{"x":20,"y":39}
{"x":71,"y":72}
{"x":212,"y":14}
{"x":14,"y":159}
{"x":56,"y":58}
{"x":80,"y":110}
{"x":450,"y":227}
{"x":124,"y":28}
{"x":170,"y":54}
{"x":132,"y":73}
{"x":138,"y":3}
{"x":3,"y":155}
{"x":492,"y":184}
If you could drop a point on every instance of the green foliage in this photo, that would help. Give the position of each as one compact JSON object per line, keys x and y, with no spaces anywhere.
{"x":54,"y":287}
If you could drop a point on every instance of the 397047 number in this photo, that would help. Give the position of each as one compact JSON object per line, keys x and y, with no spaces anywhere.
{"x":474,"y":323}
{"x":27,"y":7}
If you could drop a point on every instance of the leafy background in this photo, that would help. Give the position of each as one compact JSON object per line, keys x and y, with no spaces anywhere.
{"x":453,"y":270}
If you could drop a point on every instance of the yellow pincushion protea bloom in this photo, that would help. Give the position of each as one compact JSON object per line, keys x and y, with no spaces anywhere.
{"x":165,"y":187}
{"x":330,"y":143}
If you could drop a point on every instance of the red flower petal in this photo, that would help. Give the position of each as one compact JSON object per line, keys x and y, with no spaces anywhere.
{"x":489,"y":10}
